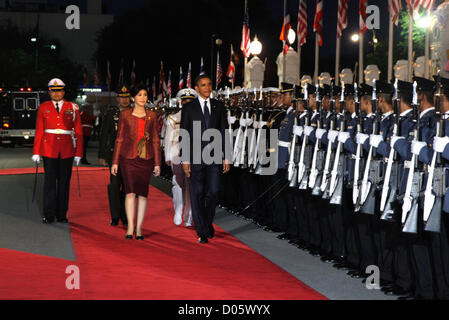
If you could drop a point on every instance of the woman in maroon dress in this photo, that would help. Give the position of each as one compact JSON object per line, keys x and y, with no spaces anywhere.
{"x":137,"y":151}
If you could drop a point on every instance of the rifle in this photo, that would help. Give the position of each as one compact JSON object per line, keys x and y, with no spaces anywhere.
{"x":325,"y":180}
{"x":302,"y":177}
{"x":252,"y":150}
{"x":358,"y":155}
{"x":237,"y":147}
{"x":390,"y":186}
{"x":375,"y":168}
{"x":314,"y":170}
{"x":366,"y":185}
{"x":435,"y":187}
{"x":410,"y":205}
{"x":257,"y":165}
{"x":336,"y":183}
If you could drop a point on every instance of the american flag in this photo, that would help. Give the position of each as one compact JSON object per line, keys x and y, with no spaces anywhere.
{"x":427,"y":4}
{"x":318,"y":23}
{"x":108,"y":76}
{"x":189,"y":76}
{"x":169,"y":84}
{"x":244,"y":46}
{"x":302,"y":23}
{"x":362,"y":16}
{"x":133,"y":74}
{"x":162,"y":84}
{"x":394,"y":6}
{"x":202,"y":67}
{"x":181,"y":79}
{"x":231,"y":69}
{"x":342,"y":22}
{"x":219,"y":71}
{"x":96,"y":77}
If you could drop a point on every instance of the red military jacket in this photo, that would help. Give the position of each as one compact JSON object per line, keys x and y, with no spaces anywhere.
{"x":87,"y":122}
{"x":52,"y":145}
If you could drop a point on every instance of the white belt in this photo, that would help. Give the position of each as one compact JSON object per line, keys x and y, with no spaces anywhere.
{"x":284,"y":144}
{"x":58,"y":131}
{"x":87,"y":125}
{"x":262,"y":123}
{"x":407,"y":164}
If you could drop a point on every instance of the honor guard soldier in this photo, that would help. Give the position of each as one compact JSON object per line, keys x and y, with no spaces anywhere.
{"x":59,"y":140}
{"x":108,"y":135}
{"x":180,"y":189}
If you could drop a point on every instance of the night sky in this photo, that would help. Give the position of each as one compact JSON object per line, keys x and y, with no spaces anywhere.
{"x":180,"y":31}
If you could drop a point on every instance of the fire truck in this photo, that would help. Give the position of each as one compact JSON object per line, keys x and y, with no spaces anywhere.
{"x":18,"y":111}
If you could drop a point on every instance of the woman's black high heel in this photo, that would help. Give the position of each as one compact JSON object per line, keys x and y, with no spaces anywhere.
{"x":128,"y":236}
{"x":138,"y":237}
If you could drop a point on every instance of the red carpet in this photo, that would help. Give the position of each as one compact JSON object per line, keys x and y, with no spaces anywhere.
{"x":30,"y":170}
{"x":168,"y":264}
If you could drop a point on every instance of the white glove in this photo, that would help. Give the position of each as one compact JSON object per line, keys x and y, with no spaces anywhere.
{"x":36,"y":158}
{"x":440,"y":143}
{"x":375,"y":140}
{"x":249,"y":121}
{"x":343,"y":136}
{"x":320,"y":132}
{"x":298,"y":130}
{"x":361,"y":138}
{"x":242,"y":122}
{"x":395,"y":139}
{"x":417,"y":146}
{"x":308,"y":130}
{"x":256,"y":124}
{"x":77,"y":160}
{"x":332,"y":135}
{"x":232,"y":119}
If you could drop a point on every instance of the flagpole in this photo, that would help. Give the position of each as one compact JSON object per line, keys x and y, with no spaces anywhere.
{"x":299,"y":64}
{"x":390,"y":52}
{"x":337,"y":62}
{"x":284,"y":62}
{"x":410,"y":47}
{"x":317,"y":58}
{"x":361,"y":58}
{"x":426,"y":54}
{"x":246,"y":59}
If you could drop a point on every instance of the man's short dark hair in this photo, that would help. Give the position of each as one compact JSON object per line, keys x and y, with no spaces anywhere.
{"x":202,"y":76}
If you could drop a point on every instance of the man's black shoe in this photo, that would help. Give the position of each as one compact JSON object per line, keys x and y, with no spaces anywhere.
{"x":62,"y":220}
{"x":48,"y":220}
{"x":327,"y":258}
{"x":397,"y":291}
{"x":412,"y":296}
{"x":114,"y":222}
{"x":202,"y":240}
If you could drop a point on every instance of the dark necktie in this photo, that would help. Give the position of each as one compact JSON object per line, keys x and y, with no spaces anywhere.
{"x":206,"y":114}
{"x":57,"y":106}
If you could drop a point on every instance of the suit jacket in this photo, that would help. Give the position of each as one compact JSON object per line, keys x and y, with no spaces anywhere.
{"x":52,"y":145}
{"x":125,"y":144}
{"x":193,"y":112}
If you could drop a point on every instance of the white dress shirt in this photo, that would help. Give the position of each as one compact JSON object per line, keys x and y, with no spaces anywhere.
{"x":201,"y":100}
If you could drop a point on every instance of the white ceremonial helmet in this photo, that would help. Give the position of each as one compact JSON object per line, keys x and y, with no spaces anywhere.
{"x":371,"y":72}
{"x":346,"y":76}
{"x":306,"y":79}
{"x":324,"y":78}
{"x":419,"y":67}
{"x":401,"y":70}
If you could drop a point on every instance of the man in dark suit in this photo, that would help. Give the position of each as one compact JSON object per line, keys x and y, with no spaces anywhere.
{"x":204,"y":178}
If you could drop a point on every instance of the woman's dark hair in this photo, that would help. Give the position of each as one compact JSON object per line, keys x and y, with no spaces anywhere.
{"x":136,"y":89}
{"x":202,"y":76}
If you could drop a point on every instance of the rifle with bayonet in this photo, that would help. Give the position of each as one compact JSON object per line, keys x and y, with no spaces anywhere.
{"x":410,"y":202}
{"x":304,"y":158}
{"x":292,"y":168}
{"x":326,"y":173}
{"x":436,"y":185}
{"x":246,"y":120}
{"x":238,"y":139}
{"x":337,"y":174}
{"x":359,"y":151}
{"x":314,"y":171}
{"x":390,"y":187}
{"x":261,"y":124}
{"x":252,"y":154}
{"x":367,"y":195}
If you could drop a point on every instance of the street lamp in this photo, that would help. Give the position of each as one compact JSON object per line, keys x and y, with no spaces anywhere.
{"x":33,"y":39}
{"x":291,"y":36}
{"x":355,"y":37}
{"x":255,"y":47}
{"x":424,"y":21}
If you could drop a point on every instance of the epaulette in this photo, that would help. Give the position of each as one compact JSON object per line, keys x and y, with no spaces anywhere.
{"x":271,"y":119}
{"x":174,"y":120}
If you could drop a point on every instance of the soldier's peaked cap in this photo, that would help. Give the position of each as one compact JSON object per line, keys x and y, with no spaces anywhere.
{"x":187,"y":94}
{"x":286,"y":87}
{"x":56,"y":84}
{"x":124,"y":92}
{"x":424,"y":84}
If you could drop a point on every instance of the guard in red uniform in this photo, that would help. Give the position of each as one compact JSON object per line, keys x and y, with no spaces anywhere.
{"x":87,"y":122}
{"x":58,"y":140}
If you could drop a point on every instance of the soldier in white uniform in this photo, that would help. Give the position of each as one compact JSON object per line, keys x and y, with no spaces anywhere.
{"x":180,"y":190}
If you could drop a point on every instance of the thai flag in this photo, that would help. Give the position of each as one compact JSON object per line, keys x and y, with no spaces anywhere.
{"x":181,"y":79}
